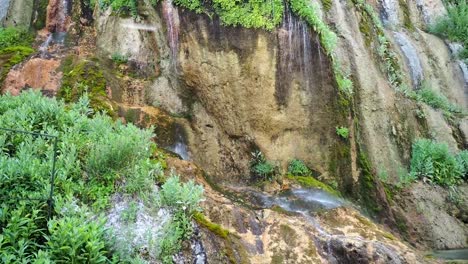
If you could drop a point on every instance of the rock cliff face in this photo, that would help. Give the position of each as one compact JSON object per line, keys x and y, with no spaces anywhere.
{"x":234,"y":91}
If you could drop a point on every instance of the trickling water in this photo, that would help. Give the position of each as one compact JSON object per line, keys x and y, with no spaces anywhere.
{"x":301,"y":200}
{"x":180,"y":146}
{"x":295,"y":56}
{"x":171,"y":17}
{"x":390,"y":12}
{"x":455,"y":48}
{"x":307,"y":201}
{"x":58,"y":32}
{"x":452,"y":254}
{"x":4,"y":5}
{"x":411,"y":57}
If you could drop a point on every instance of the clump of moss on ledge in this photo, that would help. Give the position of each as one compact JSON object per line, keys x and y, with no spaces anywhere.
{"x":215,"y":228}
{"x":311,"y":182}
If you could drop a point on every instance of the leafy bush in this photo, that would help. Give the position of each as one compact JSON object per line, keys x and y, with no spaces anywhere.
{"x":455,"y":25}
{"x":95,"y":158}
{"x":77,"y":239}
{"x":125,"y":7}
{"x":436,"y":100}
{"x":183,"y":200}
{"x":13,"y":36}
{"x":261,"y":168}
{"x":298,"y":168}
{"x":434,"y":161}
{"x":462,"y":159}
{"x":342,"y":132}
{"x":119,"y":58}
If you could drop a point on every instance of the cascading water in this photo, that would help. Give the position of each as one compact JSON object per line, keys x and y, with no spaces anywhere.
{"x":411,"y":57}
{"x":308,"y":201}
{"x":4,"y":5}
{"x":171,"y":17}
{"x":390,"y":12}
{"x":57,"y":25}
{"x":295,"y":56}
{"x":180,"y":146}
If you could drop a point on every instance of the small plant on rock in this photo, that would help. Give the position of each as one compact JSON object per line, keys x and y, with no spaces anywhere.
{"x":298,"y":168}
{"x":342,"y":132}
{"x":261,"y":168}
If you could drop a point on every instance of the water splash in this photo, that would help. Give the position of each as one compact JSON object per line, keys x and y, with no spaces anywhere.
{"x":411,"y":57}
{"x":4,"y":5}
{"x":171,"y":17}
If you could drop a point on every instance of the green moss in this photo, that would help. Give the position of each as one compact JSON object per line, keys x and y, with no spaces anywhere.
{"x":11,"y":56}
{"x":327,"y":4}
{"x":85,"y":76}
{"x":406,"y":15}
{"x":288,"y":234}
{"x":40,"y":7}
{"x":311,"y":182}
{"x":215,"y":228}
{"x":368,"y":185}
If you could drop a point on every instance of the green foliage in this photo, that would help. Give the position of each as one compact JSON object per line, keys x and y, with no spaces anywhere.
{"x":119,"y":58}
{"x":436,"y":100}
{"x":77,"y":239}
{"x":14,"y":36}
{"x":95,"y":157}
{"x":15,"y":46}
{"x":342,"y":132}
{"x":261,"y":168}
{"x":182,"y":199}
{"x":129,"y":214}
{"x":462,"y":159}
{"x":298,"y":168}
{"x":434,"y":161}
{"x":455,"y":25}
{"x":125,"y":7}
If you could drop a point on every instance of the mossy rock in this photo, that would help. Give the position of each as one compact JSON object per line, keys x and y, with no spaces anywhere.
{"x":11,"y":56}
{"x":311,"y":182}
{"x":214,"y":228}
{"x":85,"y":76}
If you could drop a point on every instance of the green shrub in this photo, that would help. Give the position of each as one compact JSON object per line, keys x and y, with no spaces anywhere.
{"x":119,"y":58}
{"x":462,"y":159}
{"x":126,"y":7}
{"x":436,"y":100}
{"x":261,"y":168}
{"x":342,"y":132}
{"x":95,"y":158}
{"x":434,"y":161}
{"x":455,"y":25}
{"x":77,"y":239}
{"x":13,"y":36}
{"x":298,"y":168}
{"x":182,"y":199}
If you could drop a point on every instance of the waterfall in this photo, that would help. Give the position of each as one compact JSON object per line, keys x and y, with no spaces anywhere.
{"x":296,"y":55}
{"x":171,"y":17}
{"x":57,"y":20}
{"x":411,"y":58}
{"x":180,"y":146}
{"x":4,"y":5}
{"x":390,"y":12}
